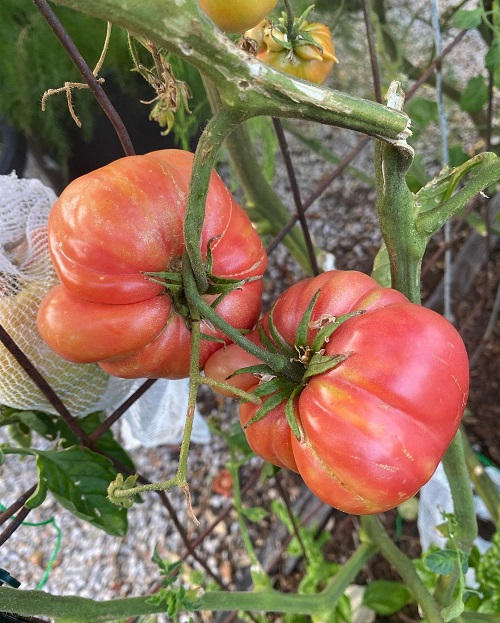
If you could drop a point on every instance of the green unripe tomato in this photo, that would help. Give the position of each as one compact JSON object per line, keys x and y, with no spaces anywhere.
{"x":237,"y":15}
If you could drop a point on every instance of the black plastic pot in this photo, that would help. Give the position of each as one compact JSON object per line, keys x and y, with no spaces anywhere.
{"x":12,"y":150}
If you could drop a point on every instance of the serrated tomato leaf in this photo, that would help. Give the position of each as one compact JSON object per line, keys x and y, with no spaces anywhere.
{"x":386,"y":597}
{"x":106,"y":442}
{"x":78,"y":478}
{"x":442,"y":561}
{"x":466,"y":19}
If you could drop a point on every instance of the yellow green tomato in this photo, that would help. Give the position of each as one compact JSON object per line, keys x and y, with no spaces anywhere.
{"x":305,"y":60}
{"x":237,"y":15}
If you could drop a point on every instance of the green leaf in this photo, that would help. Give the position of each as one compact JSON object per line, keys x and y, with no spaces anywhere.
{"x":106,"y":442}
{"x":42,"y":423}
{"x":441,"y":188}
{"x":255,"y":514}
{"x":38,"y":497}
{"x":457,"y":606}
{"x":78,"y":478}
{"x":466,"y":19}
{"x":385,"y":597}
{"x":20,"y":434}
{"x":442,"y":561}
{"x":382,"y":268}
{"x":492,"y":58}
{"x":475,"y":95}
{"x":422,"y":112}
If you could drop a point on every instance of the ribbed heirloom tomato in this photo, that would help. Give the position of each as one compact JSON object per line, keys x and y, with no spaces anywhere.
{"x":237,"y":15}
{"x":108,"y":229}
{"x":372,"y":428}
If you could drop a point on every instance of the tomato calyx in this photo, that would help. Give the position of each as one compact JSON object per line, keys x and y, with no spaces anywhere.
{"x":291,"y":35}
{"x":309,"y":359}
{"x":218,"y":287}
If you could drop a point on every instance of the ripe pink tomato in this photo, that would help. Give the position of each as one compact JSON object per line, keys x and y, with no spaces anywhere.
{"x":108,"y":229}
{"x":374,"y":427}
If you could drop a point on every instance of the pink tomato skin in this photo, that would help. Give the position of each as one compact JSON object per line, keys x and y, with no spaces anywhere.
{"x":374,"y":428}
{"x":111,"y":227}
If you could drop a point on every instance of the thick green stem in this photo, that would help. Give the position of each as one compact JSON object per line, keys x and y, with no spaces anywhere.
{"x":483,"y":484}
{"x":461,"y":492}
{"x":82,"y":610}
{"x":348,"y":572}
{"x":243,"y":81}
{"x":403,"y":565}
{"x":73,"y":609}
{"x":396,"y":210}
{"x":204,"y":163}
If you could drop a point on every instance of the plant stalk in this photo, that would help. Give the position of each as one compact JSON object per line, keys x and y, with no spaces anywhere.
{"x":404,"y":566}
{"x":205,"y":159}
{"x":244,"y":82}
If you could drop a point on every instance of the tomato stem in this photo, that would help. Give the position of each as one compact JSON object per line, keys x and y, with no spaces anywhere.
{"x":280,"y":364}
{"x":456,"y":472}
{"x":373,"y":529}
{"x":219,"y":126}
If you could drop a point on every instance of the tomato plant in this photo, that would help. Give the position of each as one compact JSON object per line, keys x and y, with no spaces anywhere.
{"x":307,"y":51}
{"x":237,"y":15}
{"x":384,"y":388}
{"x":108,"y":232}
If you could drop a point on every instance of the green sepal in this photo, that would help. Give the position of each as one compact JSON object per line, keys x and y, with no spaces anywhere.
{"x":323,"y":363}
{"x":290,"y":412}
{"x":267,"y":342}
{"x":282,"y":346}
{"x":285,"y":44}
{"x":212,"y":338}
{"x":273,"y":401}
{"x":260,"y":368}
{"x":304,"y":38}
{"x":304,"y":324}
{"x":273,"y":385}
{"x":223,"y":287}
{"x":330,"y":327}
{"x":164,"y":277}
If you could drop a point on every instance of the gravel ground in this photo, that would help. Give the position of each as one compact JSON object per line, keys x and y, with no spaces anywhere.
{"x":93,"y":564}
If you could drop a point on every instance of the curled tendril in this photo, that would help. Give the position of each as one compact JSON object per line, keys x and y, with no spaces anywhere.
{"x":121,"y":492}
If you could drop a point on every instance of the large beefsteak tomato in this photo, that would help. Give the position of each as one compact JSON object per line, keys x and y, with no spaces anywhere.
{"x":388,"y":396}
{"x":109,"y":229}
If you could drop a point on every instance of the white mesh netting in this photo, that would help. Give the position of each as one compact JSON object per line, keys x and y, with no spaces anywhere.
{"x":26,"y":273}
{"x":435,"y":498}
